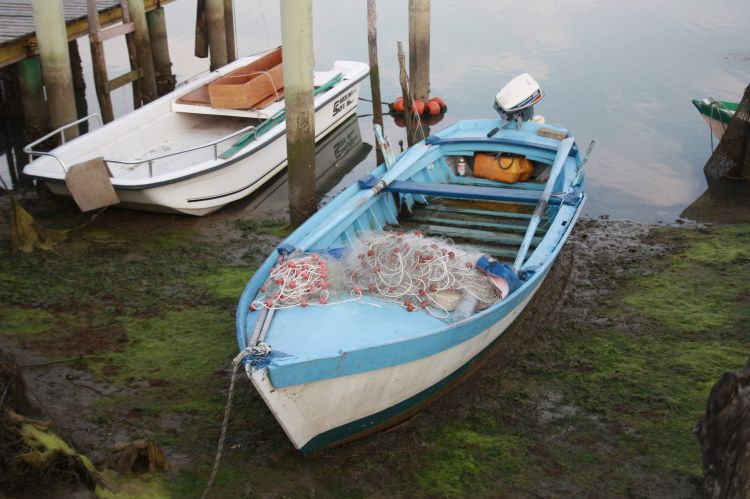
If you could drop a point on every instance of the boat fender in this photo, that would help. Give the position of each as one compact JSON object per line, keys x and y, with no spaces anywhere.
{"x":501,"y":274}
{"x":285,"y":249}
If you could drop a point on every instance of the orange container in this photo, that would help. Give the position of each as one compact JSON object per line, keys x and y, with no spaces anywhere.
{"x":503,"y":168}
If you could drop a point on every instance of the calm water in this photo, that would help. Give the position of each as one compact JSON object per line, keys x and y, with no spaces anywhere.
{"x":622,"y":72}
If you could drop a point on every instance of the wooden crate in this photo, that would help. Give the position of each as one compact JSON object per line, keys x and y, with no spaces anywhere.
{"x":249,"y":85}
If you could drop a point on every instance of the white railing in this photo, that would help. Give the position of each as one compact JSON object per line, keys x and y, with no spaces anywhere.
{"x":150,"y":161}
{"x":28,"y":149}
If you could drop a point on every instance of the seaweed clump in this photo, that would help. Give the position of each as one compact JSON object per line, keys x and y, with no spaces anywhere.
{"x":32,"y":457}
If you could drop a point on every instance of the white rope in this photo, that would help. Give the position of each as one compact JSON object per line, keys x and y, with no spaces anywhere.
{"x":220,"y":448}
{"x":413,"y":270}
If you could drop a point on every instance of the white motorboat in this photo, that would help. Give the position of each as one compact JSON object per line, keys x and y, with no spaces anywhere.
{"x":192,"y":152}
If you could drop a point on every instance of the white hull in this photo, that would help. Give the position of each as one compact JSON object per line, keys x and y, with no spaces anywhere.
{"x":208,"y":192}
{"x":185,"y":142}
{"x":312,"y":409}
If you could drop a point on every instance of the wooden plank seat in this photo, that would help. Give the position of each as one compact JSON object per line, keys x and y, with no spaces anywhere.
{"x":461,"y":191}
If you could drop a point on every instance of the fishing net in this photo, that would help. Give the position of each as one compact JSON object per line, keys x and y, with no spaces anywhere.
{"x":407,"y":268}
{"x":731,"y":158}
{"x":303,"y":280}
{"x":417,"y":272}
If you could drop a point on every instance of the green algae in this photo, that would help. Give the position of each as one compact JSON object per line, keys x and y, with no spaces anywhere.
{"x":177,"y":355}
{"x":174,"y":347}
{"x":144,"y":486}
{"x":273,"y":227}
{"x":627,"y":395}
{"x":24,"y":322}
{"x":225,"y":283}
{"x":463,"y":459}
{"x":705,"y":285}
{"x":656,"y":386}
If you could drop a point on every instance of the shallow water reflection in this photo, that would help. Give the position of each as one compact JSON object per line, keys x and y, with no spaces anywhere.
{"x":623,"y":72}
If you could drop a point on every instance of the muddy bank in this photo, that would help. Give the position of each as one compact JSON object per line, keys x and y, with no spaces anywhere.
{"x":597,"y":395}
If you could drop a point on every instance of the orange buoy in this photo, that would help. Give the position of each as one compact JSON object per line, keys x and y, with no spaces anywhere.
{"x":418,"y":107}
{"x":441,"y":103}
{"x":433,"y":108}
{"x":398,"y":105}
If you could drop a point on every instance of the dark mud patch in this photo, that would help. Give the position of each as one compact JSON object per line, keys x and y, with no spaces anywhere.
{"x":66,"y":395}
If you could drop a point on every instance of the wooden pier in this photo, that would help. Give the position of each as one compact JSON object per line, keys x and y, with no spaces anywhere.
{"x":17,"y":33}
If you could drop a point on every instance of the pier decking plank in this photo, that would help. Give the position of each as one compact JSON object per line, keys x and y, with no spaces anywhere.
{"x":17,"y":31}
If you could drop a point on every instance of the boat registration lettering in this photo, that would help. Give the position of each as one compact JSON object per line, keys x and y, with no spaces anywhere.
{"x":344,"y":102}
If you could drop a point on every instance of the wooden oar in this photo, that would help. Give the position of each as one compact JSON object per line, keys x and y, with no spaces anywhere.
{"x":541,"y":206}
{"x":384,"y":145}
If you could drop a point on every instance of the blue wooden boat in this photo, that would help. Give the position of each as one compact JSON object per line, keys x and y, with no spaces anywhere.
{"x":335,"y":372}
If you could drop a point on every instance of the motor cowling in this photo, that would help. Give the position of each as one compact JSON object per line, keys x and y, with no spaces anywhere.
{"x":515,"y":101}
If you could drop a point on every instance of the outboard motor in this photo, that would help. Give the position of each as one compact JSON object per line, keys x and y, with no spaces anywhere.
{"x":515,"y":101}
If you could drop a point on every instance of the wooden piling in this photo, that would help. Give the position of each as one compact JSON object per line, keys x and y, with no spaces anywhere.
{"x":296,"y":36}
{"x":51,"y":35}
{"x":157,"y":33}
{"x":419,"y":49}
{"x":79,"y":84}
{"x":143,"y":50}
{"x":372,"y":43}
{"x":229,"y":28}
{"x":33,"y":101}
{"x":406,"y":95}
{"x":217,"y":39}
{"x":99,"y":66}
{"x":201,"y":33}
{"x":11,"y":119}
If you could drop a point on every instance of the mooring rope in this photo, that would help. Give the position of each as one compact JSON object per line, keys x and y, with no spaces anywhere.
{"x":714,"y":105}
{"x":236,"y":362}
